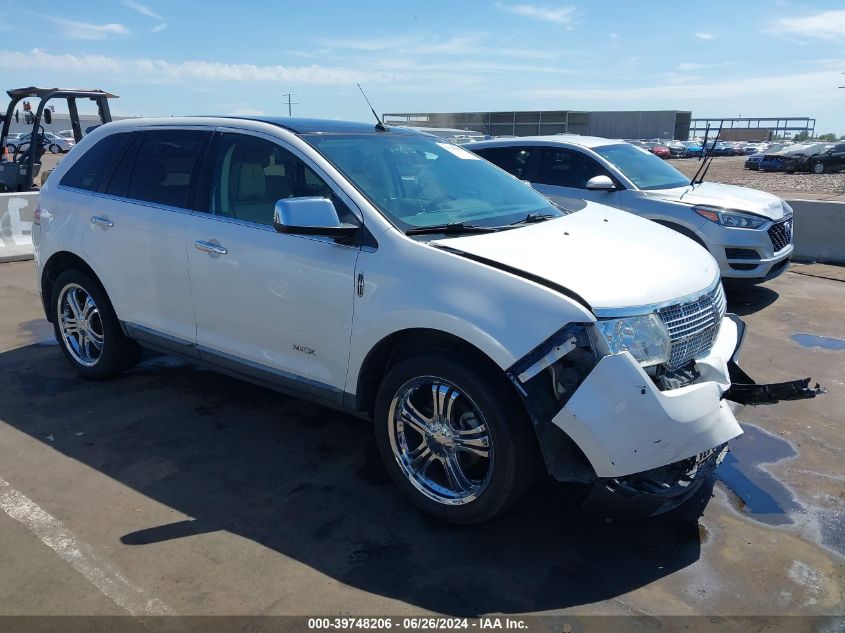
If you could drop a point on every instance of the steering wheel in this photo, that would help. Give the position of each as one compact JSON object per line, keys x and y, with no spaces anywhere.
{"x":438,"y":201}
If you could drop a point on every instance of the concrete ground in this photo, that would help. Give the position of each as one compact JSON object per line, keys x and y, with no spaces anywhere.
{"x":173,"y":489}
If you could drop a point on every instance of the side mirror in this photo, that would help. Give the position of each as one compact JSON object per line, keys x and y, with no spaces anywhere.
{"x":310,"y":216}
{"x":48,"y":116}
{"x":600,"y":183}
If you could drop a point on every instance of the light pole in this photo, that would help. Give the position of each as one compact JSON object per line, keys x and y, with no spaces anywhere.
{"x":290,"y":103}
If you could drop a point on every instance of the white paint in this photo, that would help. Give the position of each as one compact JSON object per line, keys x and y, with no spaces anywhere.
{"x":50,"y":531}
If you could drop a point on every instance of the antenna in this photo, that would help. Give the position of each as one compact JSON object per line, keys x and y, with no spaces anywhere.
{"x":381,"y":127}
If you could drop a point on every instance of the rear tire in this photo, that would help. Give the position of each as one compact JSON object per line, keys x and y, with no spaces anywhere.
{"x":454,"y":438}
{"x":87,"y":328}
{"x":818,"y":168}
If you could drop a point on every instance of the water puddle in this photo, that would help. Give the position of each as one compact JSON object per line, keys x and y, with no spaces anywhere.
{"x":825,"y":342}
{"x":755,"y":492}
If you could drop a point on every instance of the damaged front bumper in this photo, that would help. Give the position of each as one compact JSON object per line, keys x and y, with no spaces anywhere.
{"x":621,"y":433}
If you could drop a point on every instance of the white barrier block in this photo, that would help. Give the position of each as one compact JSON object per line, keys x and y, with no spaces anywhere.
{"x":16,"y":215}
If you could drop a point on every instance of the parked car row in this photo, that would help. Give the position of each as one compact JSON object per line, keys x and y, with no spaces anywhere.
{"x":487,"y":330}
{"x":55,"y":144}
{"x":818,"y":158}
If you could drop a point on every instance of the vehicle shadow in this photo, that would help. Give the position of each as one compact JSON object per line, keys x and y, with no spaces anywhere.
{"x":743,"y":300}
{"x":307,"y":482}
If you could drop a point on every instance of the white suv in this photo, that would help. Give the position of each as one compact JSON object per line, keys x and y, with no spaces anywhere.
{"x":397,"y":276}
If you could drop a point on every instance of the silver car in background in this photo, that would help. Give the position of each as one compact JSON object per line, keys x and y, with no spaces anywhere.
{"x":748,"y":232}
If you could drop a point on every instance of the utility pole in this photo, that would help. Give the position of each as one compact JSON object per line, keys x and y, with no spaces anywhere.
{"x":290,"y":103}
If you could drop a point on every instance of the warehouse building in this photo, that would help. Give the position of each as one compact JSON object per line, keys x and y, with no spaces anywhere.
{"x":610,"y":124}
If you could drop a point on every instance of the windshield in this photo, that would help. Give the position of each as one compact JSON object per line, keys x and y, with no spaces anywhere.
{"x":642,"y":168}
{"x":419,"y":181}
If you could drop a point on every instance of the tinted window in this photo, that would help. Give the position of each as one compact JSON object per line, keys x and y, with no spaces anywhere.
{"x":514,"y":160}
{"x":251,"y":174}
{"x":568,"y":168}
{"x":119,"y":180}
{"x":94,"y":166}
{"x":165,"y":162}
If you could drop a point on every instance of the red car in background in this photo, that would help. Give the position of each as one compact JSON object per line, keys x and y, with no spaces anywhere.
{"x":658,"y":150}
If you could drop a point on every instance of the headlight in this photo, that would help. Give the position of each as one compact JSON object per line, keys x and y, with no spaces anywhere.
{"x":787,"y":210}
{"x":645,"y":337}
{"x":732,"y":219}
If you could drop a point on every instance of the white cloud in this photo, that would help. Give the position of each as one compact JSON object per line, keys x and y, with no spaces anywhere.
{"x":146,"y":11}
{"x":163,"y":71}
{"x":696,"y":66}
{"x":705,"y":36}
{"x":816,"y":87}
{"x":74,"y":30}
{"x":243,"y":109}
{"x":826,"y":25}
{"x":560,"y":15}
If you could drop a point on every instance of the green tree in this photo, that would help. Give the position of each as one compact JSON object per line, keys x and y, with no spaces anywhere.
{"x":829,"y":137}
{"x":801,"y":136}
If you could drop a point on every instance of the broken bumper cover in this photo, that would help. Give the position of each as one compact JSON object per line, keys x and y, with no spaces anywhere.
{"x":604,"y":421}
{"x":625,"y":425}
{"x":655,"y":491}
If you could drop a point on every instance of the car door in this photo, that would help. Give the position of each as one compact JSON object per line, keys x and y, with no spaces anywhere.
{"x":270,"y":305}
{"x":562,"y":174}
{"x":837,"y":158}
{"x":136,"y":224}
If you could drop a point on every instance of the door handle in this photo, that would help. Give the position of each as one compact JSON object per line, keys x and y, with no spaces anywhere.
{"x":102,"y":222}
{"x":208,"y":247}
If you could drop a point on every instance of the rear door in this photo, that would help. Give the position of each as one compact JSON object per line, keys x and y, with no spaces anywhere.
{"x":273,"y":305}
{"x":136,"y":231}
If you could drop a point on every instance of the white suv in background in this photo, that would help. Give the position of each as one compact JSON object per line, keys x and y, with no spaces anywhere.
{"x":748,"y":232}
{"x":399,"y":277}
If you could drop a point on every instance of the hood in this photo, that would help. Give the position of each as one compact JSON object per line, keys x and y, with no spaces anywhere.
{"x":611,"y":258}
{"x":724,"y":196}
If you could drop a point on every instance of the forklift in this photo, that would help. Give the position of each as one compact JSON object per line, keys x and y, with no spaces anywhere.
{"x":18,"y":171}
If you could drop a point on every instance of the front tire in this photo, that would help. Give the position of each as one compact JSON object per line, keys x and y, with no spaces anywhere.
{"x":818,"y":168}
{"x":87,"y":328}
{"x":454,"y":438}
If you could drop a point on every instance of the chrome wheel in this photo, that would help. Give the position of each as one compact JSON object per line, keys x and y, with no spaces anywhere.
{"x":80,"y":325}
{"x":440,"y":440}
{"x":818,"y":168}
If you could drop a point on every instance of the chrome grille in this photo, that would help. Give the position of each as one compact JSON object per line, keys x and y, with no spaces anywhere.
{"x":693,"y":326}
{"x":781,"y":234}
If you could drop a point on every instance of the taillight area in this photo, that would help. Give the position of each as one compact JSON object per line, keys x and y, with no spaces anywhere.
{"x":36,"y":215}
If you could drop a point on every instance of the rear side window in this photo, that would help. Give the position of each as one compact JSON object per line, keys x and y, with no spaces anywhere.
{"x":164,"y":165}
{"x":95,"y":165}
{"x":514,"y":160}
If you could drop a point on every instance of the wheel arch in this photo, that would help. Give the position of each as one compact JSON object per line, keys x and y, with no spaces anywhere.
{"x":59,"y":262}
{"x":404,"y":343}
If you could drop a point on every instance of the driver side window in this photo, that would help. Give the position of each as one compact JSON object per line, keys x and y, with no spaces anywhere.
{"x":568,"y":168}
{"x":250,"y":174}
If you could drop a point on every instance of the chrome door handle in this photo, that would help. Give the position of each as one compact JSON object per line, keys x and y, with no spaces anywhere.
{"x":208,"y":247}
{"x":101,"y":221}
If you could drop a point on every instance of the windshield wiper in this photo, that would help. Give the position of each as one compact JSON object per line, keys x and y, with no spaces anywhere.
{"x":452,"y":228}
{"x":534,"y":217}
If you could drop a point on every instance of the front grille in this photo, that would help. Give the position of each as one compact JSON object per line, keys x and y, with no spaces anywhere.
{"x":781,"y":234}
{"x":693,"y":326}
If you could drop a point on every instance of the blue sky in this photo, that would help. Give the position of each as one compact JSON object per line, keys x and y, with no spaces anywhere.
{"x":716,"y":58}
